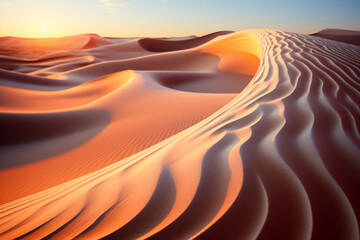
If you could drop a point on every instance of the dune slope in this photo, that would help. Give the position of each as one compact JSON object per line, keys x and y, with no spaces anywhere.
{"x":346,"y":36}
{"x":245,"y":135}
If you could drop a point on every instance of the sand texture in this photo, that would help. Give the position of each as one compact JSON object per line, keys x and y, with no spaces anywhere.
{"x":233,"y":135}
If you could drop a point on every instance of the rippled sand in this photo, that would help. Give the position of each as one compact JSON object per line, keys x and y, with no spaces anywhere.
{"x":233,"y":135}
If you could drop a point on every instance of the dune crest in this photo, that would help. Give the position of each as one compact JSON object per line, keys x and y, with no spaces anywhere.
{"x":177,"y":155}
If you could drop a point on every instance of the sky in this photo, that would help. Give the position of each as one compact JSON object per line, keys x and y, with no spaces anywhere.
{"x":171,"y":18}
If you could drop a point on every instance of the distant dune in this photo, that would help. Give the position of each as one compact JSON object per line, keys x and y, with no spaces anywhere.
{"x":232,"y":135}
{"x":166,"y":45}
{"x":346,"y":36}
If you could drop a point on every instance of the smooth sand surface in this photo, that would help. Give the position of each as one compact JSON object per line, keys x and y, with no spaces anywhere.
{"x":233,"y":135}
{"x":346,"y":36}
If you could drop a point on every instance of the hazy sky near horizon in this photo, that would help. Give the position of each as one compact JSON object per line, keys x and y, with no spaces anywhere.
{"x":156,"y":18}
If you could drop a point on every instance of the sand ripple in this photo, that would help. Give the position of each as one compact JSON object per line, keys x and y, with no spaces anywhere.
{"x":247,"y":135}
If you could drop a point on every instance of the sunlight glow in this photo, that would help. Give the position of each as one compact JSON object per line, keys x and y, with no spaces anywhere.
{"x":170,"y":18}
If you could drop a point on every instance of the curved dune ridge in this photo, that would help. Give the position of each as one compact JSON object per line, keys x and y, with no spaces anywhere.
{"x":244,"y":135}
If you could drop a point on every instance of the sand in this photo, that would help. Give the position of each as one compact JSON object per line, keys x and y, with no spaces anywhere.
{"x":233,"y":135}
{"x":346,"y":36}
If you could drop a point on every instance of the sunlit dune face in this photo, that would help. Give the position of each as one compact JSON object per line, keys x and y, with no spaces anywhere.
{"x":242,"y":57}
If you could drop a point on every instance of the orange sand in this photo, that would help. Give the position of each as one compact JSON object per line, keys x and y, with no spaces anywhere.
{"x":233,"y":135}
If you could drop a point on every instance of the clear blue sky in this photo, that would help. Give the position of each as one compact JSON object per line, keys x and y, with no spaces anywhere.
{"x":127,"y":18}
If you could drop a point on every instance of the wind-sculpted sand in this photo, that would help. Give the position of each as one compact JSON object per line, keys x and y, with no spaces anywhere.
{"x":233,"y":135}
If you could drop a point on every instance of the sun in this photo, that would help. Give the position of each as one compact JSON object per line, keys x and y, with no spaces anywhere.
{"x":45,"y":29}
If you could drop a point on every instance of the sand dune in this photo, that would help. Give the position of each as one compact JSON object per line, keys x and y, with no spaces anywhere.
{"x":234,"y":135}
{"x":166,"y":45}
{"x":346,"y":36}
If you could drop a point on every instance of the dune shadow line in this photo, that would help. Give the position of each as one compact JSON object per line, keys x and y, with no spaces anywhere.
{"x":28,"y":138}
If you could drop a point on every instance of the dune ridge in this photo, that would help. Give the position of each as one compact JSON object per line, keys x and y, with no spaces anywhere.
{"x":276,"y":158}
